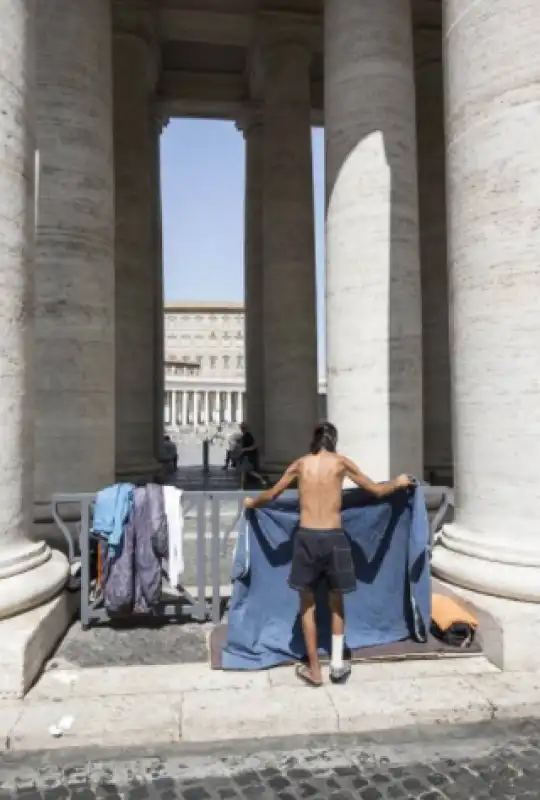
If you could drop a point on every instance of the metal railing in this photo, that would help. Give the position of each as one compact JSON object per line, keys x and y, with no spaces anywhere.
{"x":207,"y":508}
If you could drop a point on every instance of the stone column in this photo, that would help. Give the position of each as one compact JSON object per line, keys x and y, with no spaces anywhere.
{"x":195,"y":409}
{"x":493,"y":120}
{"x":184,"y":408}
{"x":174,"y":411}
{"x":289,"y":317}
{"x":373,"y":305}
{"x":433,"y":258}
{"x":134,"y":153}
{"x":240,"y":412}
{"x":206,"y":408}
{"x":156,"y":124}
{"x":251,"y":125}
{"x":228,"y":411}
{"x":74,"y":333}
{"x":29,"y":572}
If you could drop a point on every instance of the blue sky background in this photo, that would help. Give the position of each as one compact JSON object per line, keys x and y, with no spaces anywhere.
{"x":202,"y":174}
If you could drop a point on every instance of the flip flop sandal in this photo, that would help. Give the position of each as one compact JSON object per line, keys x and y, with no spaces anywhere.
{"x":303,"y":675}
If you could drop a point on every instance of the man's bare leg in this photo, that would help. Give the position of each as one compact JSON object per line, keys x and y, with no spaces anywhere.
{"x":339,"y":671}
{"x":259,"y":478}
{"x":312,"y":673}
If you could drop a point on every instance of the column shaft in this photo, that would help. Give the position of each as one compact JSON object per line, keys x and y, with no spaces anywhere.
{"x":195,"y":409}
{"x":29,"y":573}
{"x":75,"y":362}
{"x":433,"y":257}
{"x":184,"y":407}
{"x":252,"y":126}
{"x":493,"y":119}
{"x":373,"y":305}
{"x":135,"y":257}
{"x":289,"y":318}
{"x":159,"y":320}
{"x":174,"y":411}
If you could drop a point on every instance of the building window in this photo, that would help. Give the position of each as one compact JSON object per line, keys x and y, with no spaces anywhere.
{"x":239,"y":362}
{"x":226,"y":360}
{"x":213,"y":335}
{"x":199,"y":360}
{"x":213,"y":362}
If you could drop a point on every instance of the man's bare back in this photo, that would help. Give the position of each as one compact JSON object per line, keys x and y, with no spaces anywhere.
{"x":320,"y":482}
{"x":320,"y":478}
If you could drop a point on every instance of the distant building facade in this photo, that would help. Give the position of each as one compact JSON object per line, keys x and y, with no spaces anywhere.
{"x":205,"y":365}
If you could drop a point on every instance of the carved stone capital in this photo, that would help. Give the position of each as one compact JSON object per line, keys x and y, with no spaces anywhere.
{"x":251,"y":116}
{"x":276,"y":28}
{"x":135,"y":18}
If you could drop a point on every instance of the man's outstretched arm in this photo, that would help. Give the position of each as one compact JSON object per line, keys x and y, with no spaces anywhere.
{"x":377,"y":489}
{"x":288,"y":477}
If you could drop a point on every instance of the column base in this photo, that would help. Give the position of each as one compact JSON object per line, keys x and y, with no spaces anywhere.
{"x":487,"y":565}
{"x":507,"y":629}
{"x":30,"y":574}
{"x":27,"y":641}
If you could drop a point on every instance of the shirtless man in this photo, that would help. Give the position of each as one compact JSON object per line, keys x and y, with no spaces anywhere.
{"x":321,"y":549}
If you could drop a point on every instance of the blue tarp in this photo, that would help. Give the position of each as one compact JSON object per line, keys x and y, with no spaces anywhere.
{"x":392,"y":601}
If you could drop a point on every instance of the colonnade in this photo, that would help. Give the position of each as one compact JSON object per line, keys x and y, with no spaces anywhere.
{"x":81,"y":398}
{"x":186,"y":408}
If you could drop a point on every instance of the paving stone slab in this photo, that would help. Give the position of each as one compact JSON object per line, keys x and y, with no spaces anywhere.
{"x":256,"y":713}
{"x":499,"y":760}
{"x":95,"y":721}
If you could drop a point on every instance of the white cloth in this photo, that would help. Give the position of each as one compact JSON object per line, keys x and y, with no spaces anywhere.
{"x":175,"y":524}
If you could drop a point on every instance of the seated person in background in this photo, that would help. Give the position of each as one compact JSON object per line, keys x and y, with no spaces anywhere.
{"x":321,"y":549}
{"x":248,"y":459}
{"x":170,"y":454}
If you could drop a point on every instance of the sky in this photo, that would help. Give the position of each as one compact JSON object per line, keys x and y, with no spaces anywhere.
{"x":202,"y":178}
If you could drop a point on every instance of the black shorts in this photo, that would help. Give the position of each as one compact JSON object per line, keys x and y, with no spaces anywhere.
{"x":322,"y":555}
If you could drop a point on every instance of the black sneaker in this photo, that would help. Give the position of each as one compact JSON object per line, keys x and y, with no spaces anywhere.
{"x":340,"y":674}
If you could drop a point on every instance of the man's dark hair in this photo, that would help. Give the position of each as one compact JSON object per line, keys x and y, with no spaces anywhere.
{"x":324,"y":438}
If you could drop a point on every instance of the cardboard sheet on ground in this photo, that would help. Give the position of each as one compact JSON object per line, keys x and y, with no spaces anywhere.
{"x":392,"y":600}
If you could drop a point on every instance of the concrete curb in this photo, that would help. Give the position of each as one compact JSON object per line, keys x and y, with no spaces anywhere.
{"x":191,"y":704}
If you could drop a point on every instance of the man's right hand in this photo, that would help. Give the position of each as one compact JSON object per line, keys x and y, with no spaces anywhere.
{"x":403,"y":482}
{"x":249,"y":502}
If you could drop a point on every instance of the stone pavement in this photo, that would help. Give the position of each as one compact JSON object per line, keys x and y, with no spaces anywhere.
{"x":480,"y":762}
{"x":189,"y":703}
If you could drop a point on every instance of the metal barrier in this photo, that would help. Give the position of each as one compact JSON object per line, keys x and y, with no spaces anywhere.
{"x":207,"y":507}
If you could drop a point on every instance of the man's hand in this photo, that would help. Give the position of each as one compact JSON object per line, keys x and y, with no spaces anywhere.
{"x":403,"y":482}
{"x":249,"y":502}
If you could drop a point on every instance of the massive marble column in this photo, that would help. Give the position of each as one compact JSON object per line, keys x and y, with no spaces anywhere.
{"x":251,"y":124}
{"x":134,"y":153}
{"x":74,"y":414}
{"x":373,"y":306}
{"x":29,"y":572}
{"x":433,"y":258}
{"x":289,"y":295}
{"x":159,"y":318}
{"x":492,"y":125}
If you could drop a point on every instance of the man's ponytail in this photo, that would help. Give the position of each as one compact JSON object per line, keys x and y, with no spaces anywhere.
{"x":324,"y":438}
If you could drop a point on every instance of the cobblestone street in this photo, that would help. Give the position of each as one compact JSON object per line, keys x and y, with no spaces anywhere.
{"x":495,"y":760}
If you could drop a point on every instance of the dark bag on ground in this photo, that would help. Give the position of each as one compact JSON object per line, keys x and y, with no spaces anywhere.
{"x":451,"y":622}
